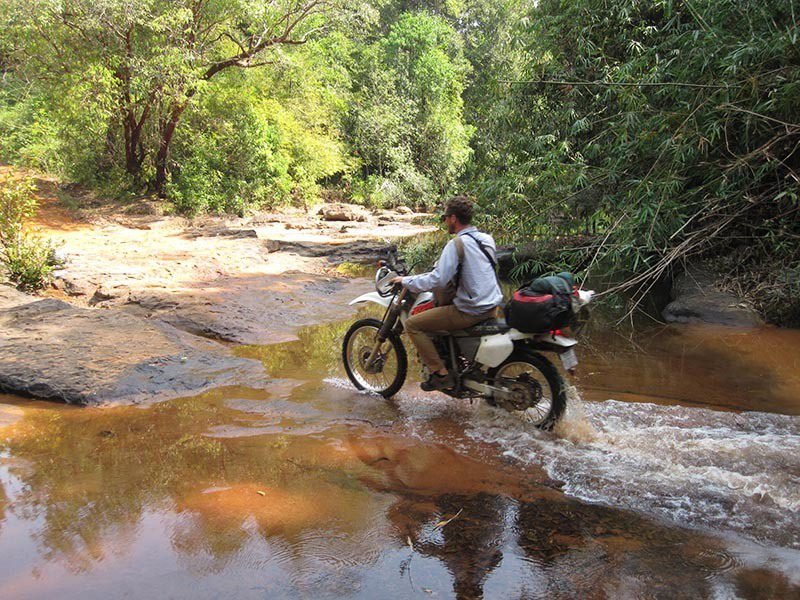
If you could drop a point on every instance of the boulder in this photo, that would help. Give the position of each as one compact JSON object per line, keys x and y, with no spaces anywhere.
{"x":404,"y":210}
{"x":51,"y":349}
{"x":271,"y":246}
{"x":696,"y":299}
{"x":342,"y":212}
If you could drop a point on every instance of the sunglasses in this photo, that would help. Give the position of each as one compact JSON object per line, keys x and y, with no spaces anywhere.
{"x":444,"y":217}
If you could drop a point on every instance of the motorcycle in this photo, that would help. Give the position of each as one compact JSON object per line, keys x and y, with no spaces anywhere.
{"x":490,"y":360}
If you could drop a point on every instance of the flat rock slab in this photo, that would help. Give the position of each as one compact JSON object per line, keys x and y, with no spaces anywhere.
{"x":359,"y":252}
{"x":254,"y":310}
{"x":51,"y":349}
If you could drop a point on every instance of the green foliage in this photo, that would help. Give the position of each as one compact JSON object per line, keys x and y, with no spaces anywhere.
{"x":116,"y":78}
{"x":406,"y":122}
{"x":259,"y":139}
{"x":160,"y":95}
{"x":421,"y":252}
{"x":228,"y":156}
{"x":17,"y":203}
{"x":27,"y":259}
{"x":670,"y":136}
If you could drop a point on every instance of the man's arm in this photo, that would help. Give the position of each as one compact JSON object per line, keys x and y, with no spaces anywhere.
{"x":442,"y":273}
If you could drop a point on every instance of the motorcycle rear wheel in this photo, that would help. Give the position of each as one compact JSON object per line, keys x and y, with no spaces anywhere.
{"x":542,"y":393}
{"x":388,"y":374}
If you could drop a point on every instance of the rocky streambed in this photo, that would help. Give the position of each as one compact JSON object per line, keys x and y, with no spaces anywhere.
{"x":146,"y":305}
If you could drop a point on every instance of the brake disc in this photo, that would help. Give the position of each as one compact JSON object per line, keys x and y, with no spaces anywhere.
{"x":523,"y":393}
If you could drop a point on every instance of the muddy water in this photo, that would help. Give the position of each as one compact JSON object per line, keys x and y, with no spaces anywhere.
{"x":676,"y":474}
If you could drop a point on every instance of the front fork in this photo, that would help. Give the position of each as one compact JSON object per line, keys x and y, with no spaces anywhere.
{"x":389,"y":320}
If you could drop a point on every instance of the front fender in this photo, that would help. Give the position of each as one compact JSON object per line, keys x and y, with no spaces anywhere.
{"x":372,"y":297}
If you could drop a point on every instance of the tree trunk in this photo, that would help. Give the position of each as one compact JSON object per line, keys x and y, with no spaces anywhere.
{"x":132,"y":166}
{"x":167,"y":132}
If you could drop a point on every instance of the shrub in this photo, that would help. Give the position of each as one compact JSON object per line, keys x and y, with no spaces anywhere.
{"x":406,"y":187}
{"x":27,"y":258}
{"x":420,"y":252}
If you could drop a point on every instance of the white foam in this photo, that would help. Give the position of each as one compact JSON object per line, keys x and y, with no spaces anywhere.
{"x":700,"y":467}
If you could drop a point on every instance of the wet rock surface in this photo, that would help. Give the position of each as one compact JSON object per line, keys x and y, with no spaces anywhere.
{"x":51,"y":349}
{"x":695,"y":299}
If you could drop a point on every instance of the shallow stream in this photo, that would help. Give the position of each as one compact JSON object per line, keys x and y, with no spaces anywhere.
{"x":676,"y":474}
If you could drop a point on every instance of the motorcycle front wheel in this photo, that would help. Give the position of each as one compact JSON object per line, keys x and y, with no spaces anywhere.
{"x":388,"y":372}
{"x":537,"y":388}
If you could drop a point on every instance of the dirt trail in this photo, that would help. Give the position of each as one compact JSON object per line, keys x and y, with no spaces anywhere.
{"x":250,"y":280}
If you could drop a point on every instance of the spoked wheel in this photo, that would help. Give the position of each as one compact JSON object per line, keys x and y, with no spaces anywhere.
{"x":536,"y":388}
{"x":388,"y":373}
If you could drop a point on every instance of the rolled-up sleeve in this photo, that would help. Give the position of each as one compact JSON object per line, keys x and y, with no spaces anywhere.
{"x":442,"y":273}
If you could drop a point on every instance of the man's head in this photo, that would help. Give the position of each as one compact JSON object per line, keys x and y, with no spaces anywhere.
{"x":457,"y":214}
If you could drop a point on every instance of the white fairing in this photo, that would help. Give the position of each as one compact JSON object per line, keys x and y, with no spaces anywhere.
{"x":494,"y":349}
{"x":556,"y":340}
{"x":372,"y":297}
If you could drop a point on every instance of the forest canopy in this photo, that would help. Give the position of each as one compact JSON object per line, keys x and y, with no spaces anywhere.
{"x":619,"y":138}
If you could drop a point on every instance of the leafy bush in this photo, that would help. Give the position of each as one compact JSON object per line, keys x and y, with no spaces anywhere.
{"x":243,"y":144}
{"x":422,"y":251}
{"x":406,"y":187}
{"x":27,"y":258}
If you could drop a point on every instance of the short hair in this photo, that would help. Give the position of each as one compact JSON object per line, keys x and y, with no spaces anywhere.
{"x":461,"y":207}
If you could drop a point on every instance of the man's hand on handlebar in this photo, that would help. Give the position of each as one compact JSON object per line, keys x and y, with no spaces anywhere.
{"x":396,"y":281}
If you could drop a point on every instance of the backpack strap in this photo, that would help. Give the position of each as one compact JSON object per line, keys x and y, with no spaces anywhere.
{"x":460,"y":251}
{"x":483,"y":248}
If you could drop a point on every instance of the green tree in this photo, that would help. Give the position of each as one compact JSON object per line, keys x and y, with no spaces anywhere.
{"x":407,"y":117}
{"x":151,"y":58}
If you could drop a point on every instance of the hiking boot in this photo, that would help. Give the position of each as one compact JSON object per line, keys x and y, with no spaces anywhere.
{"x":438,"y":382}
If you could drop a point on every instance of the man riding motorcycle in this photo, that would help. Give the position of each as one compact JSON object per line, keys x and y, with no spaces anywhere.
{"x":468,"y":261}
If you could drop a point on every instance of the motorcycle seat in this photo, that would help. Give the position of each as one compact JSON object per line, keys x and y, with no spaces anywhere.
{"x":487,"y":327}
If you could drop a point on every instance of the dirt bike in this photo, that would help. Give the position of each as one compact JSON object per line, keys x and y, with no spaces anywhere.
{"x":489,"y":360}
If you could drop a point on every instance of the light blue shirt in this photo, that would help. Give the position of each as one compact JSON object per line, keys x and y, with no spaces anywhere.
{"x":479,"y":290}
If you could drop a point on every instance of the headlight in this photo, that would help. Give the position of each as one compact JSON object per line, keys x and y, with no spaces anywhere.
{"x":383,"y":278}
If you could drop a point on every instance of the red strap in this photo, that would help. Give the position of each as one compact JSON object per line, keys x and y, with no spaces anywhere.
{"x":520,"y":297}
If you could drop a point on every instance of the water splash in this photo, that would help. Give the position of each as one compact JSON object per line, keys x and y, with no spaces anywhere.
{"x":729,"y":471}
{"x":574,"y":425}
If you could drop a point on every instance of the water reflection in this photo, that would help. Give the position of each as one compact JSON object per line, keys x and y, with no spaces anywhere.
{"x":729,"y":368}
{"x":470,"y":545}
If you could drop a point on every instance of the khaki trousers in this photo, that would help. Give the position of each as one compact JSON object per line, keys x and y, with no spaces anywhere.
{"x":441,"y":318}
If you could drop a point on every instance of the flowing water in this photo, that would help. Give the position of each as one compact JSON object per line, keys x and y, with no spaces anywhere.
{"x":675,"y":474}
